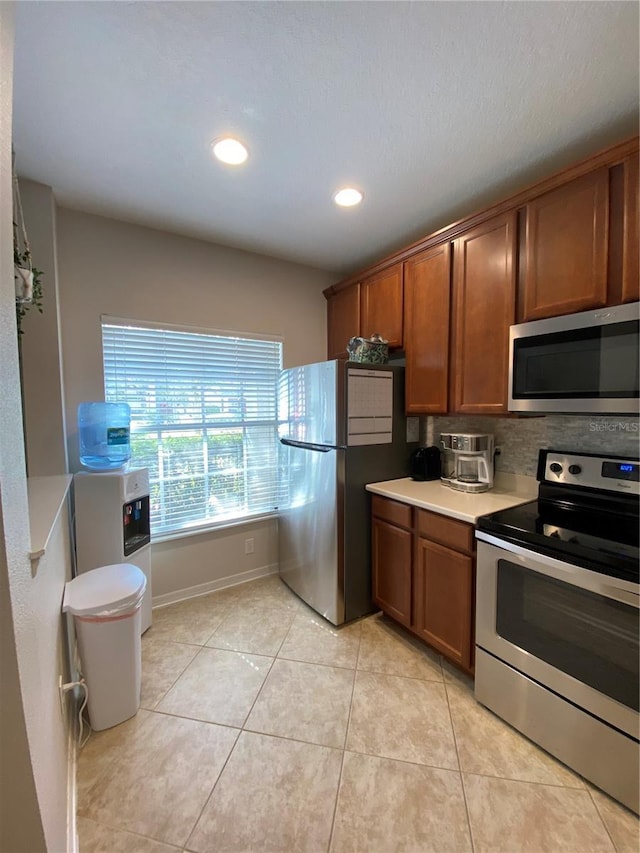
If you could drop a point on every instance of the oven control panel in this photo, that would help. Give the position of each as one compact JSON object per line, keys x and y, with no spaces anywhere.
{"x":592,"y":471}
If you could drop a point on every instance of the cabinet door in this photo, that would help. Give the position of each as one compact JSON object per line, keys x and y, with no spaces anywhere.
{"x":444,"y":600}
{"x":343,"y":320}
{"x":484,"y":308}
{"x":630,"y":273}
{"x":391,"y":562}
{"x":427,"y":291}
{"x":381,"y":305}
{"x":566,"y":248}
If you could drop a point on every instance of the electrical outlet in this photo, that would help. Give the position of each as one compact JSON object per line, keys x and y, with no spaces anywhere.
{"x":248,"y":546}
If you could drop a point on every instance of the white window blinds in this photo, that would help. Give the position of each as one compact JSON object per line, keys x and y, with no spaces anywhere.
{"x":203,"y":419}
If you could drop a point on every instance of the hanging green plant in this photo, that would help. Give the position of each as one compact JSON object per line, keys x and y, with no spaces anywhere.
{"x":28,"y":279}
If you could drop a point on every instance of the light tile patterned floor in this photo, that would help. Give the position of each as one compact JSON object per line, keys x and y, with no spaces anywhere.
{"x":264,"y":728}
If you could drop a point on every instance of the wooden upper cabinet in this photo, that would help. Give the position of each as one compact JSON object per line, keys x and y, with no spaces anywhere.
{"x":381,"y":305}
{"x":484,"y":296}
{"x":427,"y":292}
{"x":566,"y":248}
{"x":343,"y":320}
{"x":631,"y":224}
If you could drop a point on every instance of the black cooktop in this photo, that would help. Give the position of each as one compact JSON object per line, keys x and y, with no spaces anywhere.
{"x":605,"y":542}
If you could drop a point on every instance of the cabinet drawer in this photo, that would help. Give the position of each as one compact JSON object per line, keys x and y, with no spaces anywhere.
{"x":392,"y":511}
{"x":447,"y":531}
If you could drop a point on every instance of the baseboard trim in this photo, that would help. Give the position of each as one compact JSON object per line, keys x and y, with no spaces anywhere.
{"x":214,"y":586}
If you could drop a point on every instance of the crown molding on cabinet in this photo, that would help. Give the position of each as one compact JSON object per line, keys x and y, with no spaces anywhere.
{"x":609,"y":157}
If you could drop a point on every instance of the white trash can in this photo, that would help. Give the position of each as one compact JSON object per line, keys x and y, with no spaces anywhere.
{"x":105,"y":604}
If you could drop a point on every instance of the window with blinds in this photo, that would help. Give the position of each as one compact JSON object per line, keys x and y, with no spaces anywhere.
{"x":203,"y":419}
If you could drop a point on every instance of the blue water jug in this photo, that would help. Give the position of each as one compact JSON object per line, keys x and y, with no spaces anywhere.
{"x":103,"y":430}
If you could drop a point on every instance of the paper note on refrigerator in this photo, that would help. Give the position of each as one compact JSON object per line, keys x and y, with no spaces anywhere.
{"x":369,"y":407}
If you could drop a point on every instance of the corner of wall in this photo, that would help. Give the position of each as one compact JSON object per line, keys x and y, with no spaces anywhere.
{"x":42,"y":383}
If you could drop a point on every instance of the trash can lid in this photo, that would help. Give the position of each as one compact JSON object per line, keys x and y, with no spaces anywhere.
{"x":113,"y":588}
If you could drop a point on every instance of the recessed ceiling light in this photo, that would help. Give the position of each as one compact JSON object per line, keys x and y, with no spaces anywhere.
{"x":348,"y":196}
{"x":229,"y":151}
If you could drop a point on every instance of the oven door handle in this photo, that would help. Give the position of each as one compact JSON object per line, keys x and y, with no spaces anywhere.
{"x":615,"y":588}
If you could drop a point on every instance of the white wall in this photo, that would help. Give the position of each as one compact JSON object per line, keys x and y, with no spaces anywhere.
{"x":123,"y":270}
{"x":33,"y":765}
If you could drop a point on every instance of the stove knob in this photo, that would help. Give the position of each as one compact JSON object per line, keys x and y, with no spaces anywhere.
{"x":555,"y":467}
{"x":575,"y":469}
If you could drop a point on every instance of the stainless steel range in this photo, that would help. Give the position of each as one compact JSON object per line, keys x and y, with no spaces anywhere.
{"x":557,"y":617}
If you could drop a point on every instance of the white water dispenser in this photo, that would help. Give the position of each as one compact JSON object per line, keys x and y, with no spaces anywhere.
{"x":113,"y":525}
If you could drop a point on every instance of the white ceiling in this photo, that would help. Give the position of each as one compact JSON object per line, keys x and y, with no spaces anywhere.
{"x":432,"y":108}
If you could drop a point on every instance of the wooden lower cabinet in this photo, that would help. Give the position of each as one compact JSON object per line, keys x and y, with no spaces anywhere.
{"x":423,"y":584}
{"x":443,"y":594}
{"x":392,"y":557}
{"x":391,"y":562}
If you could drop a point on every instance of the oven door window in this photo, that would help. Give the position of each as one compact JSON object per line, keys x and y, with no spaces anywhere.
{"x":586,"y":635}
{"x":588,"y":363}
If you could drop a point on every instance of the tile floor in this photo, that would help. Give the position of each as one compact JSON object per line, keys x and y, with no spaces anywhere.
{"x":265,"y":728}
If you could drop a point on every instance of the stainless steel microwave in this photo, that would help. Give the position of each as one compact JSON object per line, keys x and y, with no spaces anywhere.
{"x":587,"y":362}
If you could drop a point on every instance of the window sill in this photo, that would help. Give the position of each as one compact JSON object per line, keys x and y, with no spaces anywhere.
{"x":211,"y":528}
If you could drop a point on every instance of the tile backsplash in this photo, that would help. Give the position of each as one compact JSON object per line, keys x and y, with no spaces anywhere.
{"x":519,"y":439}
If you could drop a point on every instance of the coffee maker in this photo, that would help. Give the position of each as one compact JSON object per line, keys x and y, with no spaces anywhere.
{"x":468,"y":461}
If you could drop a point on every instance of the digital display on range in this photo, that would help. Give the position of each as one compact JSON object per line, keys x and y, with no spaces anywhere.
{"x":621,"y":471}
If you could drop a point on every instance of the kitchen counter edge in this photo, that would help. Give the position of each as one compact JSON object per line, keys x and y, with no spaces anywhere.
{"x":509,"y":490}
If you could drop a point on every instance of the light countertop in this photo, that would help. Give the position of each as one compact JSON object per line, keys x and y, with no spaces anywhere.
{"x":509,"y":490}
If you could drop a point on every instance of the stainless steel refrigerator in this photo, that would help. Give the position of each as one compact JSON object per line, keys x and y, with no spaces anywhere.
{"x":341,"y":425}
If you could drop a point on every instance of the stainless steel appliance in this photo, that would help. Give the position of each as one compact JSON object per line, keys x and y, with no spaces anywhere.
{"x":585,"y":362}
{"x":468,"y":461}
{"x":341,"y":425}
{"x":557,"y":617}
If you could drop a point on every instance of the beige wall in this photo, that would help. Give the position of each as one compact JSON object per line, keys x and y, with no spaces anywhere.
{"x":210,"y":561}
{"x":123,"y":270}
{"x":33,"y":737}
{"x":43,"y":395}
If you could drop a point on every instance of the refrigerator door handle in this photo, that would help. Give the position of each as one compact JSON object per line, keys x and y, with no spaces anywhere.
{"x":321,"y":448}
